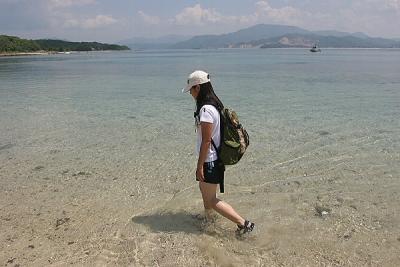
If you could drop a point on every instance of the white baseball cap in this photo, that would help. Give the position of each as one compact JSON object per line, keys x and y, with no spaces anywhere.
{"x":195,"y":78}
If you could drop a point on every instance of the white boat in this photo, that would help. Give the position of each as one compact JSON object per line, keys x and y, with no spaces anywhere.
{"x":315,"y":48}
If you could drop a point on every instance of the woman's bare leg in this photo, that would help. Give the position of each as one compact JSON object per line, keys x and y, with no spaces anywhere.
{"x":210,"y":201}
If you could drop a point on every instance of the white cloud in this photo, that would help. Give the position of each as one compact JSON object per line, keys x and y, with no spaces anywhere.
{"x":90,"y":23}
{"x":196,"y":15}
{"x":391,"y":4}
{"x":60,"y":17}
{"x":152,"y":20}
{"x":286,"y":14}
{"x":98,"y":21}
{"x":71,"y":23}
{"x":369,"y":16}
{"x":264,"y":13}
{"x":68,"y":3}
{"x":378,"y":5}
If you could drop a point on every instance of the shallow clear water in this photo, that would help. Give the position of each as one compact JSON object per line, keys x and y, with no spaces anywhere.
{"x":328,"y":121}
{"x":291,"y":101}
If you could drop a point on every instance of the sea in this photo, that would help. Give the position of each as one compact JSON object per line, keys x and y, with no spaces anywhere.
{"x":324,"y":130}
{"x":291,"y":101}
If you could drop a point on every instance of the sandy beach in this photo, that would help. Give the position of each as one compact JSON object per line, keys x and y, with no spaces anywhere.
{"x":15,"y":54}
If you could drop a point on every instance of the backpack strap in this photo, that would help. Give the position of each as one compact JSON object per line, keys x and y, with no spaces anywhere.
{"x":216,"y":149}
{"x":221,"y":129}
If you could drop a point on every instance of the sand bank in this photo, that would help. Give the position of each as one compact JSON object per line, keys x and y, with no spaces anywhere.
{"x":15,"y":54}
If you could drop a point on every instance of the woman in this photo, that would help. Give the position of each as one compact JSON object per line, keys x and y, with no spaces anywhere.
{"x":209,"y":171}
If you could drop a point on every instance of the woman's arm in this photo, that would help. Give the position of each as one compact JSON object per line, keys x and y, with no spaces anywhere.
{"x":206,"y":130}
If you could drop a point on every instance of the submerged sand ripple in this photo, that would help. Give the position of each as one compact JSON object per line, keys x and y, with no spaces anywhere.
{"x":100,"y":220}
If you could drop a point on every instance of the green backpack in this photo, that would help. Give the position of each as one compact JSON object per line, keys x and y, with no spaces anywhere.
{"x":234,"y":138}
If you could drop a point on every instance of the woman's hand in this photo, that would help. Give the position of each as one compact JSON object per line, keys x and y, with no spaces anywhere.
{"x":200,"y":174}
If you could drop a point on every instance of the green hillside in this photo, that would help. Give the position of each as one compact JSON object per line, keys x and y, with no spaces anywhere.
{"x":12,"y":44}
{"x":15,"y":44}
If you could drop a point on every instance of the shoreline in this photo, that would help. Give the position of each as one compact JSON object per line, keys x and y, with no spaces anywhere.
{"x":16,"y":54}
{"x":44,"y":53}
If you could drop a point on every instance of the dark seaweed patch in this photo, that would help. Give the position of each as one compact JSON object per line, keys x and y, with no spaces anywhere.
{"x":8,"y":146}
{"x":323,"y":133}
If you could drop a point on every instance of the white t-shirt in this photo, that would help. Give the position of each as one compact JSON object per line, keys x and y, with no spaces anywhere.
{"x":210,"y":114}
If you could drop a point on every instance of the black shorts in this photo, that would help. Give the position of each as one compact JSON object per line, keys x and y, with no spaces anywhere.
{"x":214,"y":173}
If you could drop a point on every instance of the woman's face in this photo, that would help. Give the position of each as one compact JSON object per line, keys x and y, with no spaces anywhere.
{"x":194,"y":91}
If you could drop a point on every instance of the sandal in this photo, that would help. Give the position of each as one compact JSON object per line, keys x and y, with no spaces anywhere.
{"x":247,"y":227}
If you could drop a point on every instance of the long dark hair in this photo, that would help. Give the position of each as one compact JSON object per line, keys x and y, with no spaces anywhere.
{"x":207,"y":96}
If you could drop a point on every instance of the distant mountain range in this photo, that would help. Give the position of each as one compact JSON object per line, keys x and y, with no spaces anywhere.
{"x":154,"y":43}
{"x":267,"y":36}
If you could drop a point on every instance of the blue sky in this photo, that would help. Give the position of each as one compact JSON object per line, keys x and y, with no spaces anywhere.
{"x":111,"y":21}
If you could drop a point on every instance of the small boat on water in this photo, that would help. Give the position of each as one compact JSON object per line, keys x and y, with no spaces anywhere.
{"x":315,"y":48}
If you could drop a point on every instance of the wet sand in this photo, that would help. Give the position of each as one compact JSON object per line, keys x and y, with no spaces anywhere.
{"x":60,"y":209}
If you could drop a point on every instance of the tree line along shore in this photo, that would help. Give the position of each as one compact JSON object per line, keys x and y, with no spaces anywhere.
{"x":11,"y":45}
